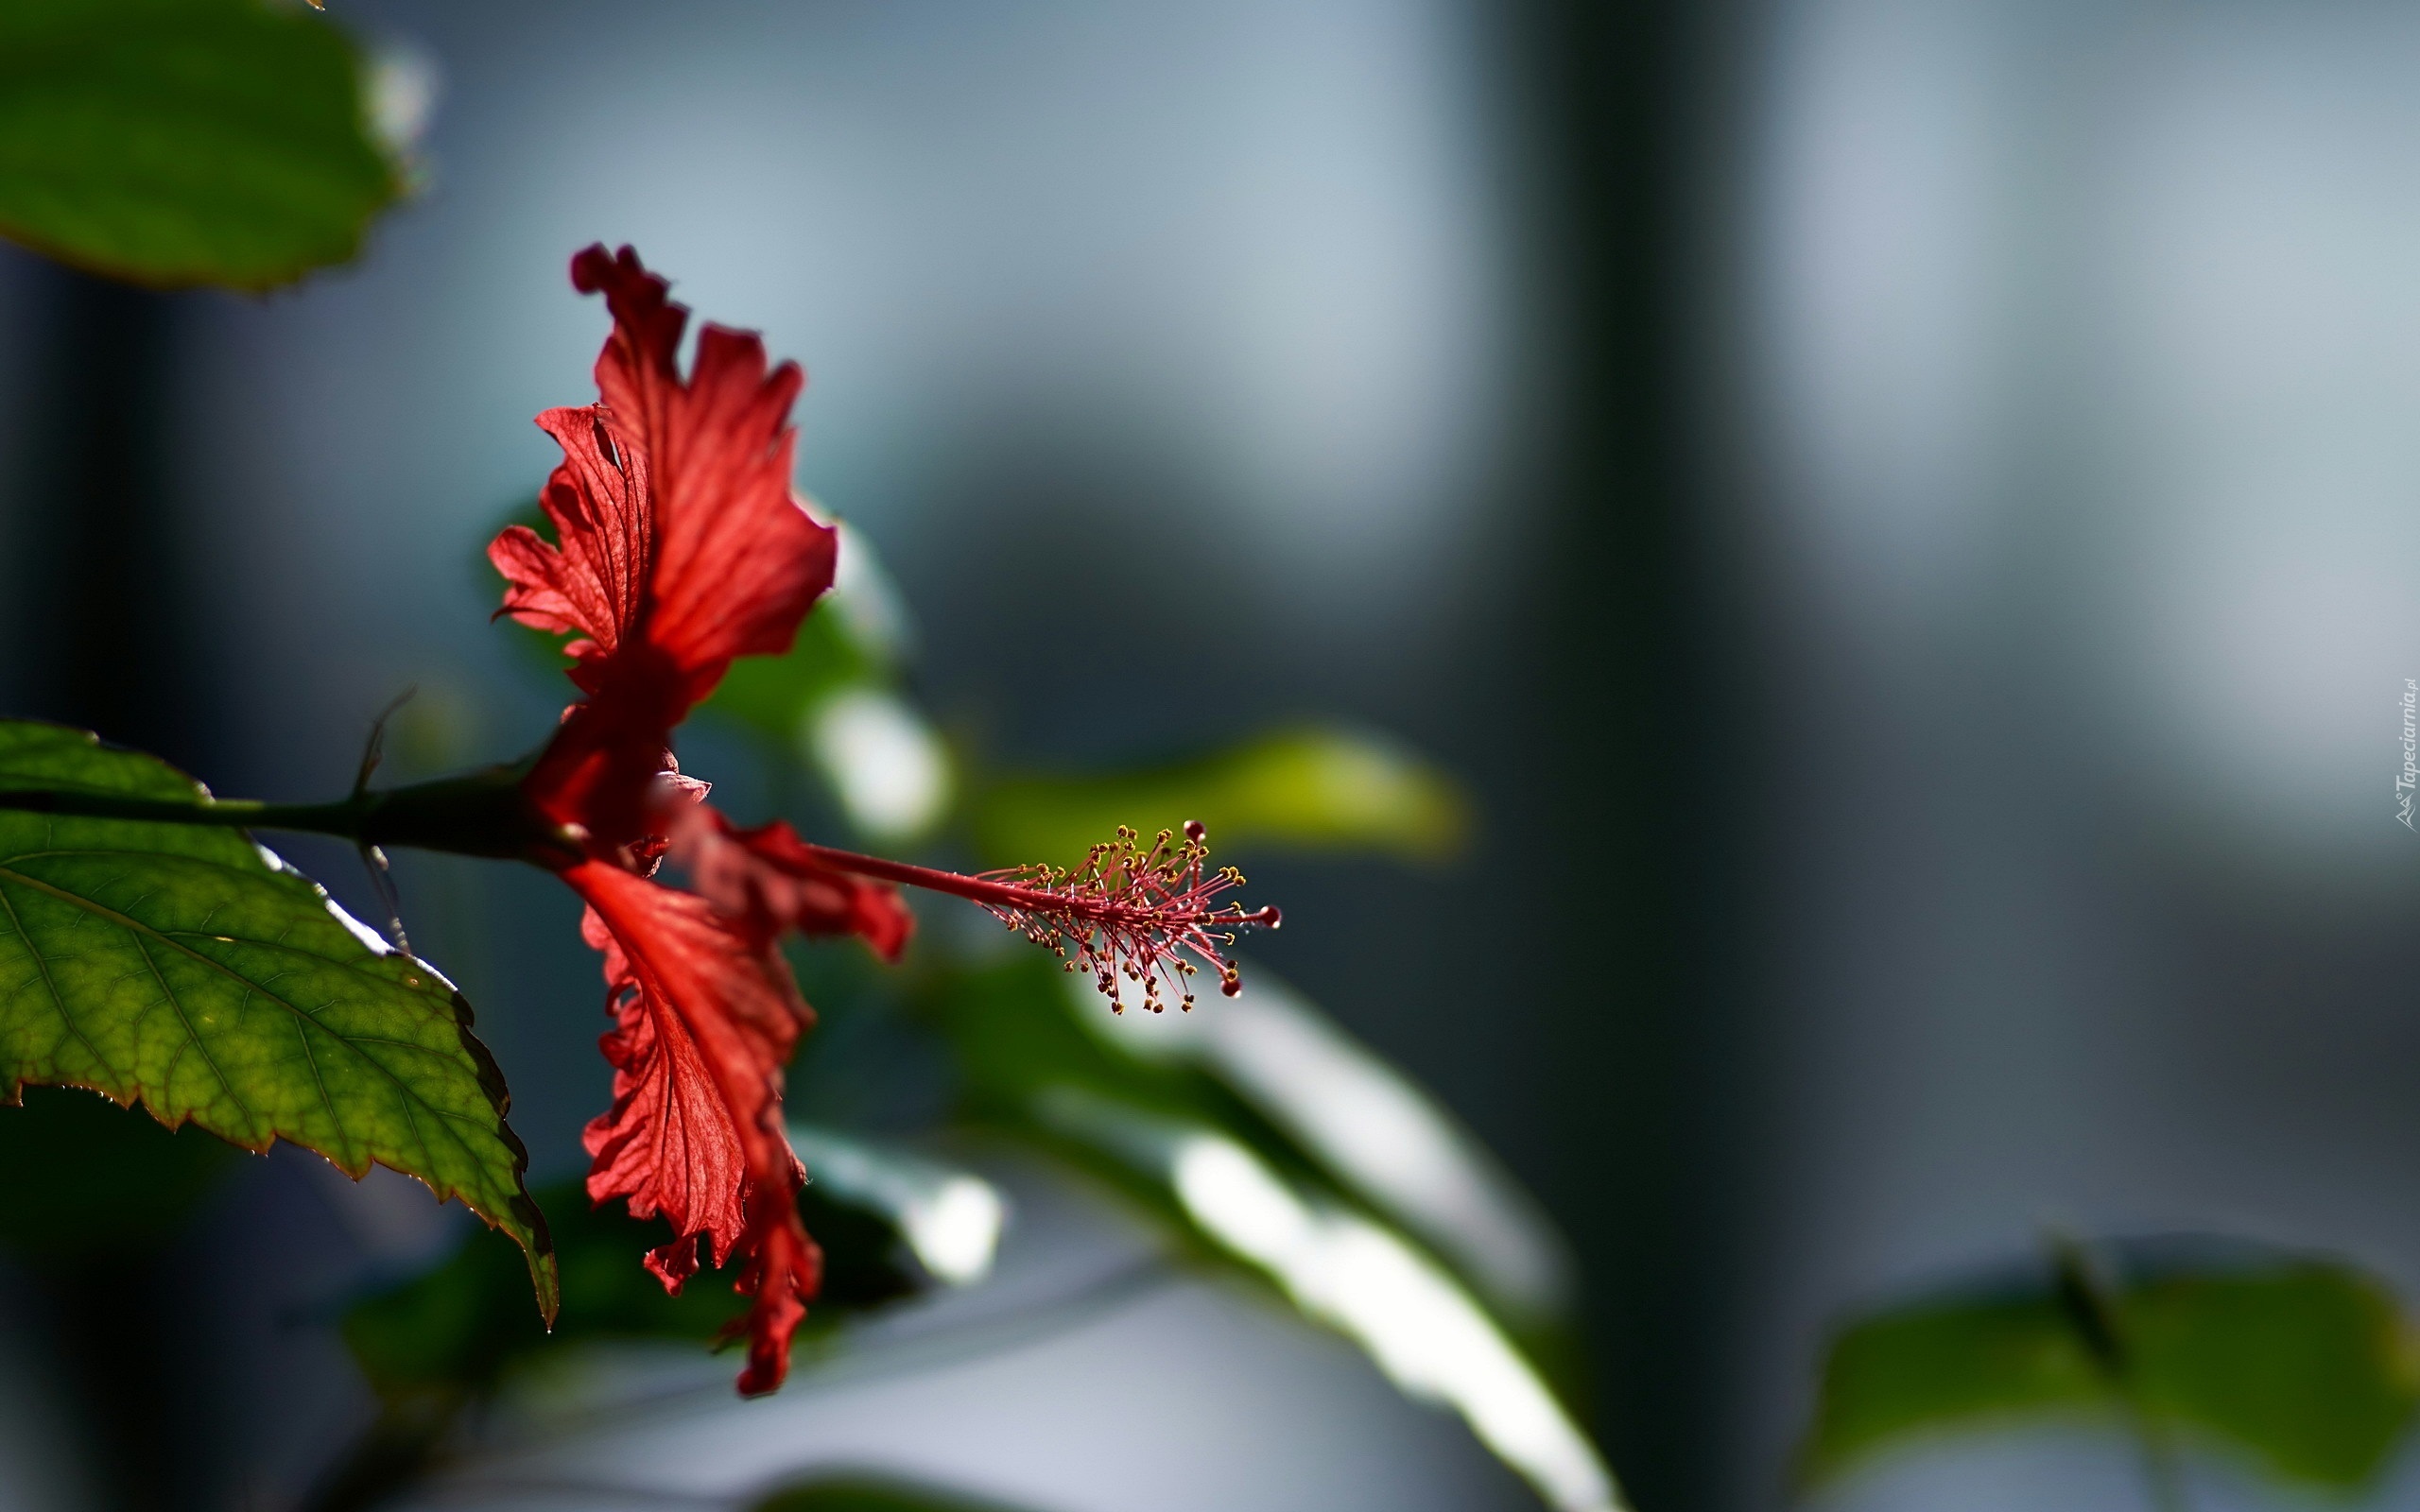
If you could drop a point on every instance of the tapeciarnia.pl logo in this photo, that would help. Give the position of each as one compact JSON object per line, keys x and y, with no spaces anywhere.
{"x":2410,"y":777}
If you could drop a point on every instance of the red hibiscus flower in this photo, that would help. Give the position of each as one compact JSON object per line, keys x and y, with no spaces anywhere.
{"x":677,"y":547}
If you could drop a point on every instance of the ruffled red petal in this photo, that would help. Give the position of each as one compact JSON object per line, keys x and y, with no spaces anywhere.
{"x":593,"y":580}
{"x":705,"y":1017}
{"x":737,"y":562}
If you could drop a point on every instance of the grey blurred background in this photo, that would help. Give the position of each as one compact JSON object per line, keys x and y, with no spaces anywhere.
{"x":1901,"y":512}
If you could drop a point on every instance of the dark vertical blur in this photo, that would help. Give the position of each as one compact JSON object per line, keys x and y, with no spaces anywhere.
{"x":1635,"y":1087}
{"x":102,"y":630}
{"x":101,"y":637}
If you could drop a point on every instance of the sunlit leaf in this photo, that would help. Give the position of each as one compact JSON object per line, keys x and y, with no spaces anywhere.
{"x":185,"y":967}
{"x":774,"y":695}
{"x":2302,"y":1367}
{"x":1239,"y":1186}
{"x":855,"y":638}
{"x":176,"y":142}
{"x":1363,"y":1125}
{"x":1309,"y":788}
{"x":1340,"y":1268}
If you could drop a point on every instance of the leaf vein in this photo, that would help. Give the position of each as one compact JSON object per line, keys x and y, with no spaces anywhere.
{"x":140,"y":929}
{"x":42,"y":964}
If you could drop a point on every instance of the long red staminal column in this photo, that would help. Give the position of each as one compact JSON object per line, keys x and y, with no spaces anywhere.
{"x":1125,"y":911}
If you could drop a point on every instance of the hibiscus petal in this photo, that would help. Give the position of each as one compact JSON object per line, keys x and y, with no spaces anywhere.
{"x":705,"y":1017}
{"x":593,"y":577}
{"x":669,"y":1142}
{"x":737,"y":562}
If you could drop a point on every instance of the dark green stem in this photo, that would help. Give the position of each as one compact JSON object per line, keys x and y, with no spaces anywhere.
{"x":342,"y":819}
{"x":2092,"y":1310}
{"x":481,"y":813}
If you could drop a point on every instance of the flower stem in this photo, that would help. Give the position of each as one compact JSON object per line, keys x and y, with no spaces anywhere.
{"x":2093,"y":1312}
{"x":343,"y":818}
{"x":482,"y":814}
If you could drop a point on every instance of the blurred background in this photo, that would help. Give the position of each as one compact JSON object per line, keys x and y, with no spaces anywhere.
{"x":1899,"y":514}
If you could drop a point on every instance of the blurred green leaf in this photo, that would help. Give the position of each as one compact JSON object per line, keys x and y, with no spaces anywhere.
{"x":1939,"y":1366}
{"x":86,"y":1177}
{"x":2304,"y":1367}
{"x":773,"y":694}
{"x":459,"y":1329}
{"x":854,"y":638}
{"x":869,"y":1493}
{"x":831,"y":707}
{"x":456,"y":1329}
{"x":175,"y":142}
{"x":2307,"y":1368}
{"x":437,"y":1343}
{"x":1014,"y":1041}
{"x":949,"y":1220}
{"x":1363,"y":1125}
{"x":1024,"y":1032}
{"x":1310,"y":788}
{"x":187,"y":966}
{"x":1240,"y":1188}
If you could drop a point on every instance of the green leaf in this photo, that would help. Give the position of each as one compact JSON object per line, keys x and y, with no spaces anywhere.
{"x":772,"y":695}
{"x":2302,"y":1367}
{"x":175,"y":142}
{"x":1183,"y":1136}
{"x":828,"y":711}
{"x":866,"y":1493}
{"x":1365,"y":1279}
{"x":438,"y":1341}
{"x":1365,"y":1128}
{"x":185,"y":967}
{"x":831,"y":707}
{"x":1308,"y":788}
{"x":1942,"y":1367}
{"x":2307,"y":1367}
{"x":455,"y":1330}
{"x":461,"y":1327}
{"x":855,"y":638}
{"x":822,"y":710}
